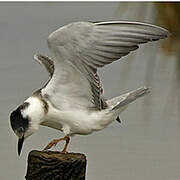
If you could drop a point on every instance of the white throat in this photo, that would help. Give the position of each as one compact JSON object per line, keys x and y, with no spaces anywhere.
{"x":35,"y":112}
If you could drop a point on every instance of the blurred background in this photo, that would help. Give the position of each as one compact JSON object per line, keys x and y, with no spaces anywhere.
{"x":146,"y":145}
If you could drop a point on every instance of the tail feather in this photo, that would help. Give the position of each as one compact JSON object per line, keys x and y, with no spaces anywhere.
{"x":125,"y":99}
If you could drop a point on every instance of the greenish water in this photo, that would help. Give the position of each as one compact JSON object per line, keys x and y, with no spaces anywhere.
{"x":145,"y":146}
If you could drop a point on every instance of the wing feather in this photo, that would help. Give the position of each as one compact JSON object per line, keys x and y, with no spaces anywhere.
{"x":47,"y":62}
{"x":83,"y":47}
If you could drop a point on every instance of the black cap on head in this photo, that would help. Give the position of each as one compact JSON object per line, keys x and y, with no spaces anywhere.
{"x":18,"y":123}
{"x":19,"y":126}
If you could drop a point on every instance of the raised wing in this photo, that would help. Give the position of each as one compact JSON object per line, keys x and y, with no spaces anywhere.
{"x":78,"y":49}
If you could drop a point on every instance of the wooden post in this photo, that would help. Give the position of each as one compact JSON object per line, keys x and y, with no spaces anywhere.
{"x":53,"y":165}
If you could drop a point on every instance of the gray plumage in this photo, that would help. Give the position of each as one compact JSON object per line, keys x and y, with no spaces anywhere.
{"x":82,"y":47}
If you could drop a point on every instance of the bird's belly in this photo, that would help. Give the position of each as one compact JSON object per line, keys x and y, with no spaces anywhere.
{"x":81,"y":122}
{"x":70,"y":122}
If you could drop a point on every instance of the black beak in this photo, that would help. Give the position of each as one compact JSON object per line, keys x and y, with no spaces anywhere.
{"x":20,"y":144}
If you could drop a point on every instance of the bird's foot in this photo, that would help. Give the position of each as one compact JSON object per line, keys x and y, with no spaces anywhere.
{"x":51,"y":144}
{"x":55,"y":141}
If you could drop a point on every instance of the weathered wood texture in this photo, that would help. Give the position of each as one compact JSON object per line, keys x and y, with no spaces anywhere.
{"x":52,"y":165}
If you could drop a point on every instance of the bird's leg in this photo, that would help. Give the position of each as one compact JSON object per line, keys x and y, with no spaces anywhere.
{"x":55,"y":141}
{"x":67,"y":139}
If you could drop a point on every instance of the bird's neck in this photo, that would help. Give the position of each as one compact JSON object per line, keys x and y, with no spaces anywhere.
{"x":35,"y":111}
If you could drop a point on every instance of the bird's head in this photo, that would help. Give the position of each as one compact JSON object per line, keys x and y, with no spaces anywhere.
{"x":25,"y":120}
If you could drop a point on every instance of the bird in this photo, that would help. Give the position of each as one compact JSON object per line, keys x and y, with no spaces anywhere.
{"x":72,"y":100}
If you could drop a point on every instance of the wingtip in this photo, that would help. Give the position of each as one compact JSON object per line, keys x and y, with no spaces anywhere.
{"x":36,"y":56}
{"x":146,"y":89}
{"x":166,"y":33}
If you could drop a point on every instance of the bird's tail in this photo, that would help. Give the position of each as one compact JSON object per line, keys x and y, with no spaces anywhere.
{"x":120,"y":103}
{"x":117,"y":105}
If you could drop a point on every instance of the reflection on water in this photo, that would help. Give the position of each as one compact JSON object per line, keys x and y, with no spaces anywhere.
{"x":146,"y":145}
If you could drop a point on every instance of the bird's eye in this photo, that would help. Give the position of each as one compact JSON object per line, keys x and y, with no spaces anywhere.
{"x":20,"y":130}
